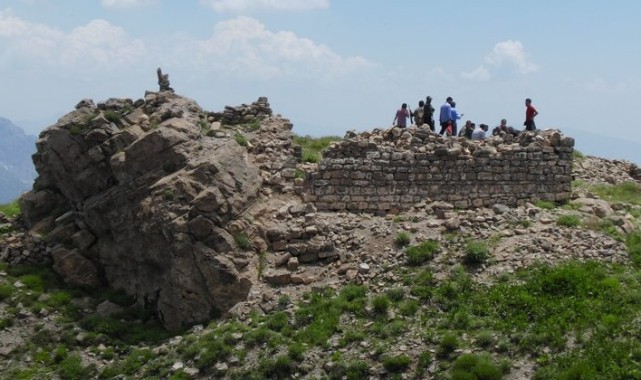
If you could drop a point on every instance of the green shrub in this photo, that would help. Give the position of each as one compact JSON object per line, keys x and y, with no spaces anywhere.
{"x":277,"y":321}
{"x":547,"y":205}
{"x":632,"y":242}
{"x":421,"y":253}
{"x":395,"y":294}
{"x":136,"y":359}
{"x":280,"y":368}
{"x":10,"y":209}
{"x":6,"y":291}
{"x":113,"y":116}
{"x":296,"y":351}
{"x":241,"y":139}
{"x":33,"y":282}
{"x":449,"y":343}
{"x":484,"y":339}
{"x":471,"y":366}
{"x":396,"y":363}
{"x":380,"y":305}
{"x":311,"y":157}
{"x":568,"y":220}
{"x":476,"y":252}
{"x":627,"y":192}
{"x":402,"y":239}
{"x":577,"y":155}
{"x":71,"y":368}
{"x":408,"y":307}
{"x":242,"y":240}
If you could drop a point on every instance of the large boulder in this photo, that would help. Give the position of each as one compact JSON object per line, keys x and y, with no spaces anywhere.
{"x":151,"y":198}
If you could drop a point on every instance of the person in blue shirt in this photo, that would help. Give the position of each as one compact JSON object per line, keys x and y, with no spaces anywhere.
{"x":445,"y":117}
{"x":454,"y":117}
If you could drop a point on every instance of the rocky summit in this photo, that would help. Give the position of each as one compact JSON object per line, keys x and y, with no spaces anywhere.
{"x":197,"y":214}
{"x":146,"y":197}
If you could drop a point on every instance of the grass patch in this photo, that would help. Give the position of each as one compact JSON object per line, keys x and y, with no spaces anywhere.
{"x":421,"y":253}
{"x":568,"y":220}
{"x":546,"y":205}
{"x":402,"y":239}
{"x":398,"y":363}
{"x":627,"y":192}
{"x":242,"y":240}
{"x":476,"y":252}
{"x":10,"y":209}
{"x":471,"y":366}
{"x":314,"y":146}
{"x":241,"y":139}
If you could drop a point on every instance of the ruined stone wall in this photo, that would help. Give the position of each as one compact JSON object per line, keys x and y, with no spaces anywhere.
{"x":393,"y":170}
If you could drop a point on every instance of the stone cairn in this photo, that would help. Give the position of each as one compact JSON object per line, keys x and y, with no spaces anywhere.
{"x":163,"y":81}
{"x":390,"y":171}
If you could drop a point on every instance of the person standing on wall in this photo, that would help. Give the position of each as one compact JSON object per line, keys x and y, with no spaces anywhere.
{"x":418,"y":113}
{"x":455,"y":116}
{"x":530,"y":113}
{"x":445,"y":117}
{"x":428,"y":113}
{"x":400,"y":120}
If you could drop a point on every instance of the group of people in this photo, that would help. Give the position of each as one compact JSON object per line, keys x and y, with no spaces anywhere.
{"x":449,"y":116}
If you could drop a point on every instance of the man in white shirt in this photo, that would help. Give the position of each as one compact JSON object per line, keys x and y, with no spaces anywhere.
{"x":479,"y":132}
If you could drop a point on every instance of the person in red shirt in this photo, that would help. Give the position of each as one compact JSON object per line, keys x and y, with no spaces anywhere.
{"x":530,"y":113}
{"x":400,"y":120}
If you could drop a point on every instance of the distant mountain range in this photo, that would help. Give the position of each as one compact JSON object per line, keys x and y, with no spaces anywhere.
{"x":16,"y":168}
{"x":605,"y":146}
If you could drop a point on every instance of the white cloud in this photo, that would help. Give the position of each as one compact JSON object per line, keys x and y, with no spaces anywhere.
{"x":96,"y":45}
{"x":249,"y":5}
{"x":245,"y":47}
{"x":123,"y":4}
{"x":506,"y":57}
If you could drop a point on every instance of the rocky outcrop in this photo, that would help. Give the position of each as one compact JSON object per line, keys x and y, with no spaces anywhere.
{"x":133,"y":195}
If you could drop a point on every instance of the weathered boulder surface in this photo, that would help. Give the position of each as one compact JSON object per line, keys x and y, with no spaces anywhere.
{"x":142,"y":200}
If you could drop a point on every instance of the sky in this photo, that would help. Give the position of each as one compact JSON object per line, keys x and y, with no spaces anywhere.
{"x":335,"y":65}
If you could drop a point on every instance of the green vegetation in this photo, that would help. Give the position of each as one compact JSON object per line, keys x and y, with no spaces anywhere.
{"x":241,"y":139}
{"x":313,"y":147}
{"x":470,"y":366}
{"x":568,"y":220}
{"x":577,"y":155}
{"x":628,"y":192}
{"x":421,"y":253}
{"x":476,"y":252}
{"x":10,"y":209}
{"x":402,"y":239}
{"x":113,"y":116}
{"x":242,"y":240}
{"x":546,"y":205}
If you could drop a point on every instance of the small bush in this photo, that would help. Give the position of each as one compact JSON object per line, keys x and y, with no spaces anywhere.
{"x":113,"y":116}
{"x":408,"y":307}
{"x":568,"y":220}
{"x":546,"y":205}
{"x":380,"y":304}
{"x":395,"y":294}
{"x":311,"y":157}
{"x":71,"y":368}
{"x":484,"y":339}
{"x":240,"y":139}
{"x":5,"y":291}
{"x":33,"y":282}
{"x":242,"y":240}
{"x":470,"y":366}
{"x":421,"y":253}
{"x":632,"y":242}
{"x":476,"y":252}
{"x":448,"y":344}
{"x":402,"y":239}
{"x":396,"y":363}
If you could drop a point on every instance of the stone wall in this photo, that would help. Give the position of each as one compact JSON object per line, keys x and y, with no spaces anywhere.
{"x":389,"y":171}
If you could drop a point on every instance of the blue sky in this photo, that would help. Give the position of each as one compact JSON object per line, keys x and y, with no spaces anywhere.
{"x":333,"y":65}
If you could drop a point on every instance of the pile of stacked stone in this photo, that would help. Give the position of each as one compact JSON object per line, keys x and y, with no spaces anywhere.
{"x":391,"y":170}
{"x":242,"y":114}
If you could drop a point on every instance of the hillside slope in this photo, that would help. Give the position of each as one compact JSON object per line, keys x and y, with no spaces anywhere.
{"x":434,"y":292}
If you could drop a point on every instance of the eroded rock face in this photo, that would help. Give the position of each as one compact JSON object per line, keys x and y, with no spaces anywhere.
{"x":150,"y":199}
